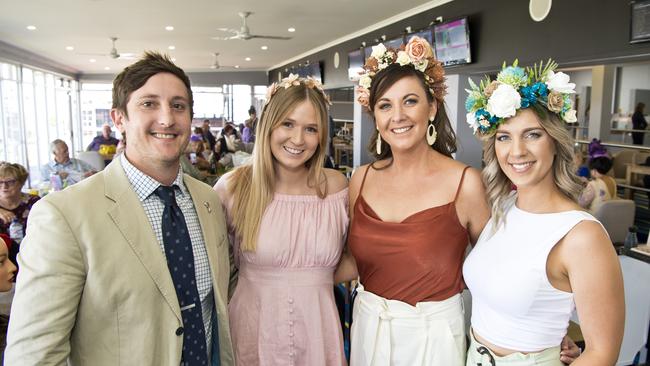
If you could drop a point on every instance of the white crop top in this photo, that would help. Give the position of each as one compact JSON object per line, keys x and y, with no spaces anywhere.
{"x":514,"y":305}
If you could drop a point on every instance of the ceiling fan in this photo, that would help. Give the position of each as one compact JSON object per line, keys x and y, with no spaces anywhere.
{"x":244,"y":33}
{"x":217,"y":65}
{"x":113,"y":52}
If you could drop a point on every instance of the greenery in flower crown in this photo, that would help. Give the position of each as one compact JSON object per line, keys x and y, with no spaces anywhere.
{"x":493,"y":101}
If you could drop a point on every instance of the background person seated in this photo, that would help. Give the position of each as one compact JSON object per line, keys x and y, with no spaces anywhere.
{"x":601,"y":187}
{"x":7,"y":278}
{"x":69,"y":170}
{"x":14,"y":204}
{"x":196,"y":153}
{"x":104,"y":139}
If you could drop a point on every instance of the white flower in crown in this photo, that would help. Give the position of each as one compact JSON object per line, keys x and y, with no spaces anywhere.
{"x":559,"y":82}
{"x":403,"y":58}
{"x":570,"y":116}
{"x":422,"y":65}
{"x":504,"y":102}
{"x":378,"y":51}
{"x":472,"y":122}
{"x":365,"y":81}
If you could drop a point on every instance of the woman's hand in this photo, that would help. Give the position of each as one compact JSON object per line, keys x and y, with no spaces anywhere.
{"x":6,"y":215}
{"x":569,"y":350}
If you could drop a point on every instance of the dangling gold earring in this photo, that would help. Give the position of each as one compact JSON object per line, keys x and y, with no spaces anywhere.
{"x":378,"y":142}
{"x":431,"y":132}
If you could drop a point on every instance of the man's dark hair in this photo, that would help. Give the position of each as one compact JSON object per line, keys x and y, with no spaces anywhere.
{"x":134,"y":76}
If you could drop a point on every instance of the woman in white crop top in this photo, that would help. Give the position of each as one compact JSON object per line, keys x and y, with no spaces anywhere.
{"x":540,"y":255}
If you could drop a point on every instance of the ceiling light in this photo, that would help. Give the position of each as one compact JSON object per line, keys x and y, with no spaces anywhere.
{"x":69,"y":48}
{"x":172,"y":47}
{"x":247,"y":59}
{"x":107,"y":68}
{"x":265,"y":48}
{"x":169,"y":28}
{"x":292,"y":29}
{"x":92,"y":60}
{"x":31,"y":27}
{"x":236,"y":66}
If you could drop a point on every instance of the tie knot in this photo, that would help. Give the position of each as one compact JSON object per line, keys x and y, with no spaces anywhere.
{"x":166,"y":194}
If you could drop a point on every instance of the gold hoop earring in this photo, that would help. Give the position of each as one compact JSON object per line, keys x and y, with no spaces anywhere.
{"x":432,"y":135}
{"x":378,"y":147}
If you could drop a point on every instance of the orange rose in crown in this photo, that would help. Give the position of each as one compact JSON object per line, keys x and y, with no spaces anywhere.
{"x":418,"y":49}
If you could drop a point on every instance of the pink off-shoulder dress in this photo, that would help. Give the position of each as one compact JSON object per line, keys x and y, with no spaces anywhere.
{"x":283,"y":310}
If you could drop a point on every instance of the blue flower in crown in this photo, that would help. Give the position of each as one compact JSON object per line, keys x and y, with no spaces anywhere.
{"x":491,"y":102}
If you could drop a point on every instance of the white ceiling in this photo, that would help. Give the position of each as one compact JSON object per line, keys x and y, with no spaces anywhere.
{"x":140,"y":25}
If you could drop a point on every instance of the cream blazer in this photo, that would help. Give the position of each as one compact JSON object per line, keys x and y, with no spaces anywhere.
{"x":94,"y":288}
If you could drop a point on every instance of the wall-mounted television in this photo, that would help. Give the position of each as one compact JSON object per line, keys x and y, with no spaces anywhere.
{"x":394,"y":43}
{"x":640,"y":21}
{"x":452,"y":42}
{"x":314,"y":69}
{"x":426,"y":34}
{"x":355,"y":64}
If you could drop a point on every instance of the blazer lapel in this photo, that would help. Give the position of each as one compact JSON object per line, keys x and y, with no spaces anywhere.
{"x":129,"y":217}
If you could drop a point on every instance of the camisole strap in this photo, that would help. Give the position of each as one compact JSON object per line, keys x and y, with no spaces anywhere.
{"x":363,"y":181}
{"x":460,"y":184}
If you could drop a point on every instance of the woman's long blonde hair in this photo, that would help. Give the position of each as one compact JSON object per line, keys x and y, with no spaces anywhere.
{"x":497,"y":184}
{"x":252,"y":185}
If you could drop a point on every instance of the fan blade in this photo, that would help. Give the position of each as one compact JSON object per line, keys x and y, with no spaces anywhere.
{"x":229,"y":30}
{"x":268,"y":37}
{"x":127,"y":56}
{"x":93,"y":54}
{"x":236,"y":36}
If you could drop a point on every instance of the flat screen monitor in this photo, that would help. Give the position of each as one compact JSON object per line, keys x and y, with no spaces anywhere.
{"x":367,"y":52}
{"x":394,"y":43}
{"x":355,"y":64}
{"x":312,"y":69}
{"x":452,"y":42}
{"x":640,"y":21}
{"x":426,"y":34}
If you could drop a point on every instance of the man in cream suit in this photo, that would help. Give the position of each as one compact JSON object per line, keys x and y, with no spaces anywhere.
{"x":130,"y":266}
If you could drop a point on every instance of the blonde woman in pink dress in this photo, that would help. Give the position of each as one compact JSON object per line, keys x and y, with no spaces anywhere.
{"x":287,"y":217}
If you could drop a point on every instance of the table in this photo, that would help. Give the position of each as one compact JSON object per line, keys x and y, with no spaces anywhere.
{"x":633,"y":169}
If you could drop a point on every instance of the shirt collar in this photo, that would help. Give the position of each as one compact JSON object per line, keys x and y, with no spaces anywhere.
{"x":144,"y":185}
{"x":54,"y":163}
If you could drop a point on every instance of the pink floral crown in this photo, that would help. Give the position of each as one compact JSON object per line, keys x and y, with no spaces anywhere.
{"x":295,"y":80}
{"x":417,"y":53}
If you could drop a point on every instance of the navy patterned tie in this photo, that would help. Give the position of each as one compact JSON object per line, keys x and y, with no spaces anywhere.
{"x":180,"y":260}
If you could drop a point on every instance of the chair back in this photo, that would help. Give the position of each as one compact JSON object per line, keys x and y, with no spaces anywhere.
{"x":617,"y":216}
{"x":93,"y":158}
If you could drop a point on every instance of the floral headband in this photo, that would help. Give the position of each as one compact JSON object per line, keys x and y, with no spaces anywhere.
{"x":295,"y":80}
{"x":493,"y":101}
{"x":417,"y":53}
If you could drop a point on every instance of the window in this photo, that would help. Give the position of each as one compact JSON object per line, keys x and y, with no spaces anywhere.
{"x":35,"y":107}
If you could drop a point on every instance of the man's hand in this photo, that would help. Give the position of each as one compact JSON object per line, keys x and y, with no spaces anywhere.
{"x":569,"y":350}
{"x":6,"y":215}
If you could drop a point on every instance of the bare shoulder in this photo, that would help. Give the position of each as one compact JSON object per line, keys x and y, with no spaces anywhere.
{"x":357,"y":178}
{"x":589,"y":236}
{"x":472,"y":186}
{"x":336,"y":181}
{"x":221,"y":187}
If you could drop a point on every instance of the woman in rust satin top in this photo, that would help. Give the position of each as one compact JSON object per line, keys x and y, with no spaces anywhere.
{"x":413,"y":212}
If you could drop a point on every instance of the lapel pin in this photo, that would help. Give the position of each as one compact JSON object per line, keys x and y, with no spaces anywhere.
{"x":207,"y":205}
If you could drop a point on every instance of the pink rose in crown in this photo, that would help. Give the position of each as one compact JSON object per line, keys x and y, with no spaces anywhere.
{"x":418,"y":49}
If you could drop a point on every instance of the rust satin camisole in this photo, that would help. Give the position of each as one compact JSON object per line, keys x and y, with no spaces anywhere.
{"x":418,"y":259}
